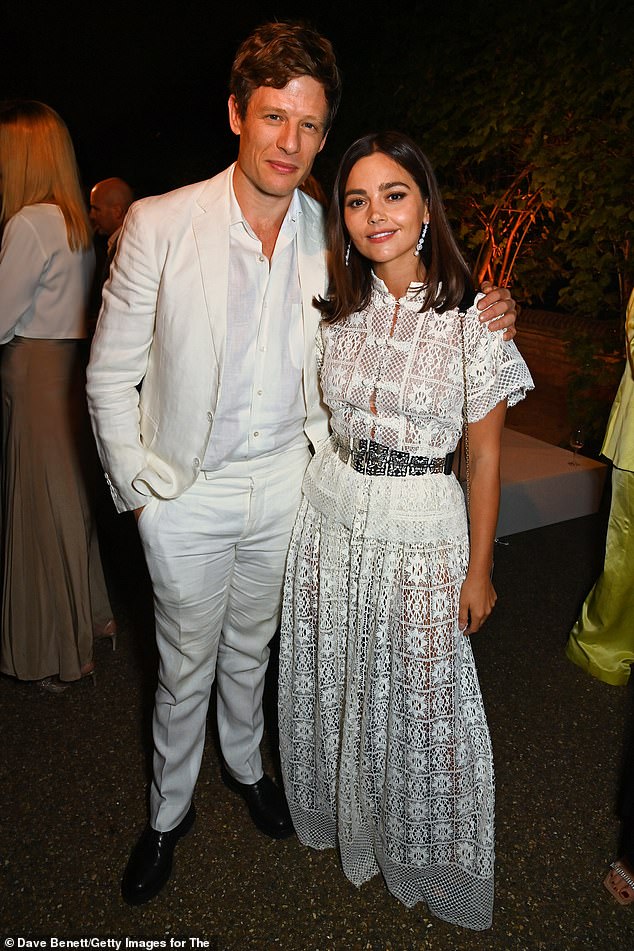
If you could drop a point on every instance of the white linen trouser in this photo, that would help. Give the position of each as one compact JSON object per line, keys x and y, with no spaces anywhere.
{"x":216,"y":556}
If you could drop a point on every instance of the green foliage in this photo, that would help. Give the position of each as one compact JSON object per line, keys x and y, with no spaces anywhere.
{"x":512,"y":101}
{"x":532,"y":122}
{"x":599,"y":359}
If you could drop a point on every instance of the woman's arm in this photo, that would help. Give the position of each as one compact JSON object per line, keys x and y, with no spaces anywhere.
{"x":478,"y":596}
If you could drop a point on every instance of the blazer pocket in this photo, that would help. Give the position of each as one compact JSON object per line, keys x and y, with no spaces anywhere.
{"x":149,"y":428}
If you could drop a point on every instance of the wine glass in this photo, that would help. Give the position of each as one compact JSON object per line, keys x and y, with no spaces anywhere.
{"x":576,"y":443}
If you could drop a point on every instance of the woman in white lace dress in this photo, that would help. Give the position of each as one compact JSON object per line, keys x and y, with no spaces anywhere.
{"x":384,"y":740}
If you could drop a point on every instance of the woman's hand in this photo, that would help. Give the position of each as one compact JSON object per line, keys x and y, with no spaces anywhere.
{"x":477,"y":600}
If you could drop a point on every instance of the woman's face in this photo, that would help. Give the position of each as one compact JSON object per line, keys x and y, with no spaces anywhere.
{"x":384,"y":212}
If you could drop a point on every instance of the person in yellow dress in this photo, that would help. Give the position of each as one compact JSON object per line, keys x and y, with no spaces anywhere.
{"x":602,"y":640}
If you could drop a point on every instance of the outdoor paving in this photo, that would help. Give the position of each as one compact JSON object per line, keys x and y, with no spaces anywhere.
{"x":74,"y":775}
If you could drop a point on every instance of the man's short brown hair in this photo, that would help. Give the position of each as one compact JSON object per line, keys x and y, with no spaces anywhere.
{"x":276,"y":53}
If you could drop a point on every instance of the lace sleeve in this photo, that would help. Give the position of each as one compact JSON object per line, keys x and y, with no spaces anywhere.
{"x":495,"y":369}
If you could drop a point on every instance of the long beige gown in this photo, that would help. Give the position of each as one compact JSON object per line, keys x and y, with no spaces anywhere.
{"x":54,"y":590}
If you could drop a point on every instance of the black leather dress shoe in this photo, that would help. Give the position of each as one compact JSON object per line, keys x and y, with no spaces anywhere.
{"x":267,"y":804}
{"x":150,"y":863}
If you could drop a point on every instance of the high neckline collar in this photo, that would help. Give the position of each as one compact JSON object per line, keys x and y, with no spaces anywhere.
{"x":412,"y":294}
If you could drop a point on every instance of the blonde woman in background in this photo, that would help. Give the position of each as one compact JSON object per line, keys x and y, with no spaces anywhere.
{"x":54,"y":594}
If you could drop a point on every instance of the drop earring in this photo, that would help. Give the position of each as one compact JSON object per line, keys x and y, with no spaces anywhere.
{"x":348,"y":252}
{"x":421,"y":240}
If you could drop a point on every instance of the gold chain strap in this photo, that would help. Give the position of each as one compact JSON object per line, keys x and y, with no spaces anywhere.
{"x":465,"y":414}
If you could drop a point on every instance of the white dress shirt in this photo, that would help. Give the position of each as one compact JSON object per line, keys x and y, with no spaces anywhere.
{"x":261,"y":408}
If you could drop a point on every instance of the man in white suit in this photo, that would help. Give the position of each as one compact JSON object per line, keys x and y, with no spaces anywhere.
{"x":209,"y":303}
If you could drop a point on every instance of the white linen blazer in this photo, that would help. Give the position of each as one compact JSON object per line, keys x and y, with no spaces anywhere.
{"x":163,"y":323}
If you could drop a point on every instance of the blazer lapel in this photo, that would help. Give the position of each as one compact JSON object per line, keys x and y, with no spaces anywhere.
{"x":312,"y":272}
{"x":211,"y":234}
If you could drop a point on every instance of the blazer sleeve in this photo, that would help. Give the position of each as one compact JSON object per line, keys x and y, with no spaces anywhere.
{"x":119,"y":358}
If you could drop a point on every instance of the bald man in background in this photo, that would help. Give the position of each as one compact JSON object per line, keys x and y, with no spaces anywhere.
{"x":109,"y":202}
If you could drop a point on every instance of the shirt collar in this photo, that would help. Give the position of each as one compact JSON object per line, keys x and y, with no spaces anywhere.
{"x":289,"y":224}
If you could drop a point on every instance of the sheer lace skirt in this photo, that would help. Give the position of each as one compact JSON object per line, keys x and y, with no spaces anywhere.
{"x":384,"y":741}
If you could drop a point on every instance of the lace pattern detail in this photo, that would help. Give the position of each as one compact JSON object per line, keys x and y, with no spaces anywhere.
{"x":413,"y":377}
{"x":411,"y":509}
{"x":383,"y":736}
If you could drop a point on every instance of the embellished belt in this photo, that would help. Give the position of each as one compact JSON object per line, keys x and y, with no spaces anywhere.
{"x":372,"y":458}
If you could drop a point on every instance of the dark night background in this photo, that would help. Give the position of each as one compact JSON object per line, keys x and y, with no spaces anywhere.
{"x":487,"y":87}
{"x":143,"y":86}
{"x":143,"y":89}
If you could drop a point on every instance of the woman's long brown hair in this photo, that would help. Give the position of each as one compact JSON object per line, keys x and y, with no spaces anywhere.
{"x":448,"y":282}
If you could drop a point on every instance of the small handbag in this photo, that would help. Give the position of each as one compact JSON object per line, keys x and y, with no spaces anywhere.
{"x":465,"y":415}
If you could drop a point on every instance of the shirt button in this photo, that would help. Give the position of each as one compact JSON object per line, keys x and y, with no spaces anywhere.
{"x":261,"y":258}
{"x":209,"y":417}
{"x":196,"y":462}
{"x":259,"y":392}
{"x":256,"y":433}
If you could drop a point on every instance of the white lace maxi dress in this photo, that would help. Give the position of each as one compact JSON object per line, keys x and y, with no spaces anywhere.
{"x":384,"y":741}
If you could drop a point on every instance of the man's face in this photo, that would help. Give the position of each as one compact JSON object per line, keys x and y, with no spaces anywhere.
{"x":280,"y":135}
{"x":105,"y":217}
